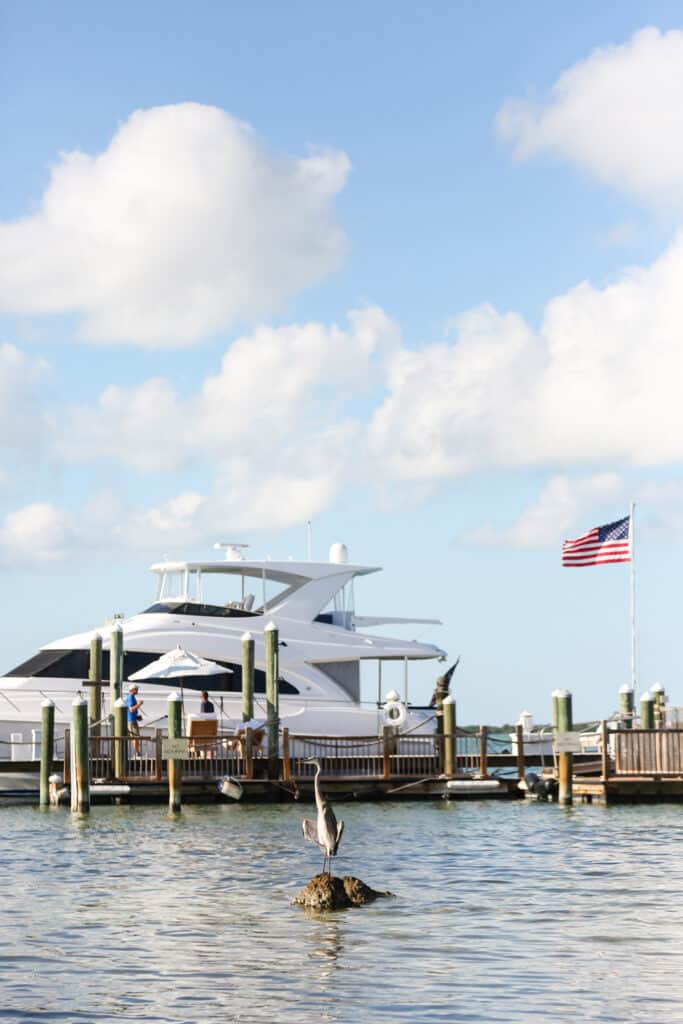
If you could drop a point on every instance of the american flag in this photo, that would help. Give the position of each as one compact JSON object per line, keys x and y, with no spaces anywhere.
{"x":609,"y":543}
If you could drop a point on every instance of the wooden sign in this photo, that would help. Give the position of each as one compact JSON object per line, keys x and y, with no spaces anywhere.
{"x":567,"y":743}
{"x":175,"y":749}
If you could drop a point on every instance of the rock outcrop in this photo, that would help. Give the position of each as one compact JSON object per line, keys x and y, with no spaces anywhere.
{"x":327,"y":892}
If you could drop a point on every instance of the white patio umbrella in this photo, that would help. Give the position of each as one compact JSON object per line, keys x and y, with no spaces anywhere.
{"x":179,"y":664}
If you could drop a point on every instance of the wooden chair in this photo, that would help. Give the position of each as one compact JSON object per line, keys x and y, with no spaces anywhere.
{"x":203,"y":733}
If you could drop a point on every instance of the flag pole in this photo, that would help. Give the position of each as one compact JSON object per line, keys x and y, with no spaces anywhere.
{"x":633,"y":599}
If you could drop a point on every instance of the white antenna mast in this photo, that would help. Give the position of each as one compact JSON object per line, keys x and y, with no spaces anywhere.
{"x":310,"y":539}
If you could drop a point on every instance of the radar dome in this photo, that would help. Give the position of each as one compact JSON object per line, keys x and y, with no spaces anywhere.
{"x":339,"y":554}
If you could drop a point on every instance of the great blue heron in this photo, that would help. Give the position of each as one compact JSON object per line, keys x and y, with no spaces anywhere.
{"x":326,"y":831}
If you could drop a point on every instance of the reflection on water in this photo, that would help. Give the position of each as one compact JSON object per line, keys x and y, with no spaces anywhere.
{"x":503,"y":912}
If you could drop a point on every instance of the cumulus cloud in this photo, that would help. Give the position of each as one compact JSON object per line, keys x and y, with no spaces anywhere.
{"x":557,"y":512}
{"x":36,"y":534}
{"x":598,"y":383}
{"x":183,"y":224}
{"x":276,"y":426}
{"x":275,"y":388}
{"x":618,"y":114}
{"x":22,"y":420}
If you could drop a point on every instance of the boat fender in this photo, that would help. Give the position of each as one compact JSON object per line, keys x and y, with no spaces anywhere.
{"x":230,"y":787}
{"x":394,"y":713}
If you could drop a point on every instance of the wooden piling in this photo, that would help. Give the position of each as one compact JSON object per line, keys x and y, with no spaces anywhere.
{"x":95,"y":691}
{"x":115,"y":667}
{"x":604,"y":751}
{"x":120,"y":743}
{"x":249,"y":753}
{"x":647,"y":711}
{"x":440,"y":694}
{"x":555,"y":694}
{"x":158,"y":751}
{"x":247,"y":677}
{"x":47,"y":744}
{"x":483,"y":751}
{"x":286,"y":761}
{"x":449,"y":764}
{"x":175,"y":765}
{"x":387,"y":747}
{"x":565,"y":761}
{"x":626,"y":705}
{"x":657,"y":691}
{"x":80,"y":774}
{"x":519,"y":736}
{"x":271,"y":639}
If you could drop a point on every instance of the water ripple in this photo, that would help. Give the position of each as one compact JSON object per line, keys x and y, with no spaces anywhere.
{"x":514,"y":912}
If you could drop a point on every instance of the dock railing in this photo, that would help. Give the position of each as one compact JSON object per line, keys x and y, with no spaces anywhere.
{"x":645,"y":752}
{"x":391,"y":755}
{"x":131,"y":759}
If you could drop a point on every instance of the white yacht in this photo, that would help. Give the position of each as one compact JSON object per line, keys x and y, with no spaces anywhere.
{"x":205,"y":608}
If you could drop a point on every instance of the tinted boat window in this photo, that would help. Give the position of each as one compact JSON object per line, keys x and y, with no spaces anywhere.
{"x":191,"y":608}
{"x":75,"y":664}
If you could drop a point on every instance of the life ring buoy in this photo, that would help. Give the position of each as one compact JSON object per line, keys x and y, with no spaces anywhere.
{"x":394,"y":713}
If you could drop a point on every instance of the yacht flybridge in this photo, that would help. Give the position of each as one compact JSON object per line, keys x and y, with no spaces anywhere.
{"x":206,"y":607}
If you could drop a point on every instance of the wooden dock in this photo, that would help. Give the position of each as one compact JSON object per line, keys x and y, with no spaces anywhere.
{"x":391,"y":766}
{"x":634,"y":766}
{"x":630,"y":765}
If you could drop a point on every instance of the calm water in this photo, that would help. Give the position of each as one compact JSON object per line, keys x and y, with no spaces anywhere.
{"x":503,"y":912}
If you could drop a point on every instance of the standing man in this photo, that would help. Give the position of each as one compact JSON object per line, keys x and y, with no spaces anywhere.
{"x":206,"y":707}
{"x":134,"y":704}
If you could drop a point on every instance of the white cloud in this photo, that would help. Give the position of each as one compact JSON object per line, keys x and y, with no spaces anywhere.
{"x":624,"y":233}
{"x":598,"y":384}
{"x":275,"y":427}
{"x":22,"y":420}
{"x":183,"y":224}
{"x":277,"y":388}
{"x":618,"y":114}
{"x":33,"y":535}
{"x":554,"y":515}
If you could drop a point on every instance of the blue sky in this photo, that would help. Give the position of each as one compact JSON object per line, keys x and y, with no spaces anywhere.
{"x":429,"y":299}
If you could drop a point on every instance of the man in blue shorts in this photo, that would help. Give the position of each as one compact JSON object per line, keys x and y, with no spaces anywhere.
{"x":134,"y":704}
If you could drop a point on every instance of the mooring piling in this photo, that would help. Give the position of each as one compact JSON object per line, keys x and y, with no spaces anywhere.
{"x":562,"y":700}
{"x":47,"y":743}
{"x":626,"y":705}
{"x":449,"y":735}
{"x":647,"y":711}
{"x":519,"y":737}
{"x":80,"y":773}
{"x":483,"y":751}
{"x":95,"y":690}
{"x":271,"y":639}
{"x":657,"y":691}
{"x":119,"y":739}
{"x":604,"y":751}
{"x":175,"y":765}
{"x":247,"y":677}
{"x":115,"y":667}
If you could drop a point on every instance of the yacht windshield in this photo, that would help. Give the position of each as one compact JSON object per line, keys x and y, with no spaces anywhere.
{"x":193,"y":608}
{"x":217,"y":591}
